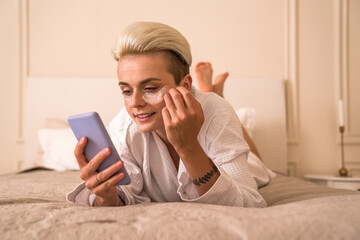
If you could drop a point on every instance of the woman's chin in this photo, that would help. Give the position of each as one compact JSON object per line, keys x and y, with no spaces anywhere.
{"x":146,"y":127}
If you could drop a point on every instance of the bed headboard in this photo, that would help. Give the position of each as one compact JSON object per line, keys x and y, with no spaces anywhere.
{"x":62,"y":97}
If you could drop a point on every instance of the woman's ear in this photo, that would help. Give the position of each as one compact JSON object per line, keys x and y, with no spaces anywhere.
{"x":186,"y":82}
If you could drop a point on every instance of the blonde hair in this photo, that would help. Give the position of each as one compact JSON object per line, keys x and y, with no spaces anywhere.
{"x":152,"y":38}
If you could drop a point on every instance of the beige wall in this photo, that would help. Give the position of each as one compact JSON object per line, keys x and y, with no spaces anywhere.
{"x":11,"y":147}
{"x":310,"y":43}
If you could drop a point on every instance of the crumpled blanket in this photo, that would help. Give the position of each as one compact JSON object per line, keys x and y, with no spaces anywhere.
{"x":33,"y":206}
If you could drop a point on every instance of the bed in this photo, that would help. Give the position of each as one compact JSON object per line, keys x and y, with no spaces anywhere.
{"x":33,"y":204}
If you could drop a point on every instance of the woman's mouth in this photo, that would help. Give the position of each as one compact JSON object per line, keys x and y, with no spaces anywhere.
{"x":144,"y":116}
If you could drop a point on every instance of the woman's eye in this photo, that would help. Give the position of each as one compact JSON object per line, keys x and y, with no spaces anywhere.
{"x":126,"y":92}
{"x":151,"y":89}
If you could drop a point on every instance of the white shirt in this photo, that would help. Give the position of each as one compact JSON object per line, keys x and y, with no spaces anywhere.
{"x":152,"y":171}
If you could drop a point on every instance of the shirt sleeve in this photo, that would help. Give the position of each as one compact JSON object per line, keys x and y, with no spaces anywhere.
{"x":222,"y":140}
{"x":226,"y":191}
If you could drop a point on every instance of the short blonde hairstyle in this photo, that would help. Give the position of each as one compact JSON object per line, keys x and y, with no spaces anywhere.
{"x":153,"y":37}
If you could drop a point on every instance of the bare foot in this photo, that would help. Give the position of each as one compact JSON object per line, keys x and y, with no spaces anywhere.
{"x":204,"y":72}
{"x":219,"y":82}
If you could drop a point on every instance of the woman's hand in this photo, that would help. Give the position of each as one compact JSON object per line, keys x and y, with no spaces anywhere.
{"x":183,"y":118}
{"x":101,"y":184}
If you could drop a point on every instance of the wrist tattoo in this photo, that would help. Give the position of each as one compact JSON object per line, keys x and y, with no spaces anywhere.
{"x":206,"y":177}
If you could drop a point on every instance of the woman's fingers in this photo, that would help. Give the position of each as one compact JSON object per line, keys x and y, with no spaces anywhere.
{"x":101,"y":184}
{"x":103,"y":176}
{"x":175,"y":105}
{"x":188,"y":98}
{"x":181,"y":105}
{"x":193,"y":106}
{"x":90,"y":168}
{"x":178,"y":100}
{"x":166,"y":116}
{"x":108,"y":172}
{"x":94,"y":164}
{"x":102,"y":189}
{"x":169,"y":103}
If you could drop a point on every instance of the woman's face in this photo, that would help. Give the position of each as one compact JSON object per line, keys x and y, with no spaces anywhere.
{"x":143,"y":80}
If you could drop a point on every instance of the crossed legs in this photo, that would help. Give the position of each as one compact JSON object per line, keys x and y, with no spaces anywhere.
{"x":204,"y":75}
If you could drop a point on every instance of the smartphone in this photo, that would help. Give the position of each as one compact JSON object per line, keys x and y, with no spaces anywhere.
{"x":89,"y":125}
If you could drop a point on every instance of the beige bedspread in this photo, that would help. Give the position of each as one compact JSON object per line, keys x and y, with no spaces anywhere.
{"x":33,"y":206}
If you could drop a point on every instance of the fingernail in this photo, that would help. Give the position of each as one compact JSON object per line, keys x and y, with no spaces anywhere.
{"x":118,"y":163}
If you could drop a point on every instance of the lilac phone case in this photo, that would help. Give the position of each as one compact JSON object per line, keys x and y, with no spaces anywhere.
{"x":89,"y":125}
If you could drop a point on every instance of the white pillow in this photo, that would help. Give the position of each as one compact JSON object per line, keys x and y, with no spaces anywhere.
{"x":58,"y":148}
{"x":247,"y":118}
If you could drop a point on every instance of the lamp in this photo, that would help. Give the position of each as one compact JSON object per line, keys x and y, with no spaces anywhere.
{"x":343,"y":172}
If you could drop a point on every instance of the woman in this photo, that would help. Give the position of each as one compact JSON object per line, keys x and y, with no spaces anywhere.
{"x":177,"y":143}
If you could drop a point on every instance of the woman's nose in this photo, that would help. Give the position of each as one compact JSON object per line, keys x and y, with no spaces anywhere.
{"x":137,"y":99}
